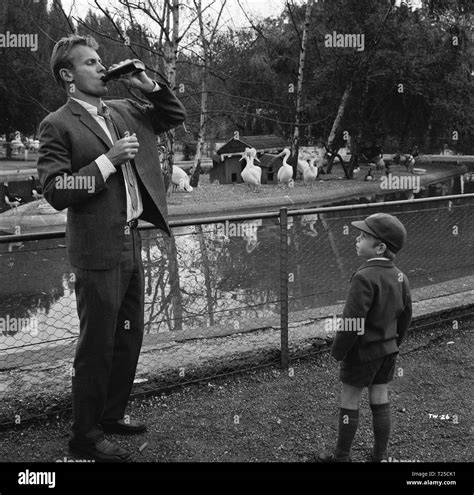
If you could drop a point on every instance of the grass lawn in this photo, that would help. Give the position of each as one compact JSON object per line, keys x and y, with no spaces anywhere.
{"x":210,"y":198}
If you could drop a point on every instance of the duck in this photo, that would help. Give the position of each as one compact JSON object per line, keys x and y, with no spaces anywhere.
{"x":251,"y":174}
{"x":12,"y":200}
{"x":310,"y":173}
{"x":16,"y":143}
{"x":379,"y":162}
{"x":180,"y":180}
{"x":36,"y":191}
{"x":409,"y":162}
{"x":285,"y":172}
{"x":369,"y":175}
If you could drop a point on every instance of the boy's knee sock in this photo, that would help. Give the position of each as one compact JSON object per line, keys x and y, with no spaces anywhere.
{"x":348,"y":422}
{"x":381,"y":422}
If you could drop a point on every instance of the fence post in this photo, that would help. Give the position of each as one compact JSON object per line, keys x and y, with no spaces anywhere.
{"x":284,"y":287}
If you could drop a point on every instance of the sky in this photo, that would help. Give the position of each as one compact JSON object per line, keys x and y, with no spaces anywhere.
{"x":233,"y":13}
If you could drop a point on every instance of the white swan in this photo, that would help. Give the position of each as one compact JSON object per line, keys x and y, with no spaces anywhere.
{"x":251,"y":174}
{"x":285,"y":172}
{"x":302,"y":162}
{"x":310,"y":173}
{"x":180,"y":179}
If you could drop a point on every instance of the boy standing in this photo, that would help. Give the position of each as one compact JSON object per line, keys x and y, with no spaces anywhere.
{"x":378,"y":299}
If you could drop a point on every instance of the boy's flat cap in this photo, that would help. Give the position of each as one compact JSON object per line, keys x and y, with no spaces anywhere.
{"x":385,"y":227}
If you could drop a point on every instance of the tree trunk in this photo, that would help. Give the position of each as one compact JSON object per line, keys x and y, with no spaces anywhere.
{"x":337,"y":124}
{"x":202,"y":132}
{"x":203,"y":116}
{"x":427,"y":137}
{"x":171,"y":56}
{"x":8,"y":145}
{"x":360,"y":131}
{"x":295,"y":148}
{"x":340,"y":114}
{"x":357,"y":140}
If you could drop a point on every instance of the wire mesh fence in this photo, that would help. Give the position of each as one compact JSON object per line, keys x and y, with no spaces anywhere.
{"x":323,"y":257}
{"x":220,"y":295}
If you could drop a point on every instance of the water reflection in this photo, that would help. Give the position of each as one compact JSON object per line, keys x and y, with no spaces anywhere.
{"x":213,"y":275}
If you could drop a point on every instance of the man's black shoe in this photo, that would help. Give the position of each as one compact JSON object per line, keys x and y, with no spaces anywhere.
{"x":376,"y":459}
{"x":323,"y":457}
{"x":102,"y":451}
{"x":122,"y":427}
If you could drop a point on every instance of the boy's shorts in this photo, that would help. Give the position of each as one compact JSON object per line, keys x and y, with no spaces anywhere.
{"x":375,"y":372}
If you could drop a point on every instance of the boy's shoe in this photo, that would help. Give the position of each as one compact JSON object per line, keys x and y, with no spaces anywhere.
{"x":324,"y":457}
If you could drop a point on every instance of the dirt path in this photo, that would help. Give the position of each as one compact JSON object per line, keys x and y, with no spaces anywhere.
{"x":271,"y":416}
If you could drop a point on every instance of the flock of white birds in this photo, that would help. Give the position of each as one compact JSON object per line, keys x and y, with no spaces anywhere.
{"x":308,"y":167}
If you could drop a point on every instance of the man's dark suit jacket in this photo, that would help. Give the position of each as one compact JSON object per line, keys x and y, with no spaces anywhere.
{"x":379,"y":292}
{"x":70,"y":141}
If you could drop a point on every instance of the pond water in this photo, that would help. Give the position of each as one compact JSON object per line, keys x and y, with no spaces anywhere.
{"x":220,"y":274}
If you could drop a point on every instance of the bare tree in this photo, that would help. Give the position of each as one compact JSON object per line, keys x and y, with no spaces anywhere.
{"x":299,"y":86}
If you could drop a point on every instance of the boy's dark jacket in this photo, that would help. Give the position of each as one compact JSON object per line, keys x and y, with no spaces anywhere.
{"x":379,"y":293}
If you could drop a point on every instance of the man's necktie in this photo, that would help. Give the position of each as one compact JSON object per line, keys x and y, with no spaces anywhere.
{"x":127,"y":168}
